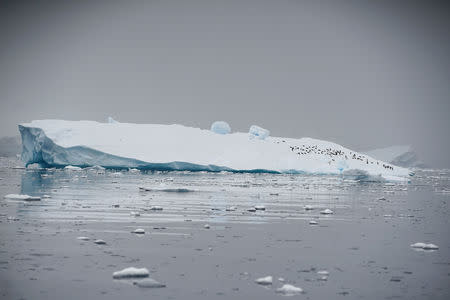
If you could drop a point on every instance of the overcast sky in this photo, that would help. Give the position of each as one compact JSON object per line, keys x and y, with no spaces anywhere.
{"x":362,"y":75}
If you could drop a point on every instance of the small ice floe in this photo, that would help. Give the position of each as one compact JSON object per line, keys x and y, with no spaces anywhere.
{"x":83,"y":238}
{"x":135,"y":213}
{"x":264,"y":280}
{"x":100,"y":242}
{"x":424,"y":246}
{"x":155,"y":207}
{"x":72,"y":168}
{"x":312,"y":222}
{"x":281,"y":279}
{"x":231,"y":208}
{"x":382,"y":199}
{"x":260,"y":207}
{"x":131,"y":273}
{"x":116,"y":205}
{"x":289,"y":290}
{"x":206,"y":226}
{"x":327,"y":212}
{"x":323,"y":272}
{"x":163,"y":188}
{"x":139,"y":231}
{"x":22,"y":197}
{"x":149,"y":283}
{"x":251,"y":209}
{"x":308,"y":207}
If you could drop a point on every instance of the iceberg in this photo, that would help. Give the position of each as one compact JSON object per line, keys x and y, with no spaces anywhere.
{"x":59,"y":143}
{"x":402,"y":156}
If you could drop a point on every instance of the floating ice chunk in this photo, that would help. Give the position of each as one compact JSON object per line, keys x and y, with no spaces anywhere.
{"x":112,"y":121}
{"x":220,"y":127}
{"x":309,"y":207}
{"x":430,"y":247}
{"x":83,"y":238}
{"x":231,"y":208}
{"x":133,"y":170}
{"x":418,"y":245}
{"x":22,"y":197}
{"x":258,"y":132}
{"x":264,"y":280}
{"x":131,"y":273}
{"x":251,"y":209}
{"x":260,"y":207}
{"x":281,"y":279}
{"x":155,"y":207}
{"x":100,"y":242}
{"x":135,"y":213}
{"x":323,"y":272}
{"x":149,"y":283}
{"x":206,"y":226}
{"x":164,"y":189}
{"x":312,"y":222}
{"x":289,"y":290}
{"x":72,"y":168}
{"x":46,"y":196}
{"x":424,"y":246}
{"x":327,"y":212}
{"x":139,"y":231}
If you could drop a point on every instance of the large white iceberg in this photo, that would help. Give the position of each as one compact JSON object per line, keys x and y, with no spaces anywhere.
{"x":175,"y":147}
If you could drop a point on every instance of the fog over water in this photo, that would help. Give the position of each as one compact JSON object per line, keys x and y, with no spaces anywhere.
{"x":363,"y":75}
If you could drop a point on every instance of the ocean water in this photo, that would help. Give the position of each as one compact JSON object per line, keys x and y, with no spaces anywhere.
{"x":364,"y":245}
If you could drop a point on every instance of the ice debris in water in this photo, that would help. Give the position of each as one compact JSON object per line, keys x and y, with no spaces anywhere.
{"x":289,"y":290}
{"x":131,"y":272}
{"x":139,"y":231}
{"x":309,"y":207}
{"x":220,"y":127}
{"x":231,"y":208}
{"x":323,"y":272}
{"x":22,"y":197}
{"x":83,"y":238}
{"x":425,"y":246}
{"x":155,"y":207}
{"x":100,"y":242}
{"x":72,"y":168}
{"x":135,"y":213}
{"x":312,"y":222}
{"x":149,"y":283}
{"x":207,"y":226}
{"x":258,"y":132}
{"x":327,"y":212}
{"x":260,"y":207}
{"x":264,"y":280}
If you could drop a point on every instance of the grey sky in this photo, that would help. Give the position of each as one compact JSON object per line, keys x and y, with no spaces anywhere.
{"x":363,"y":75}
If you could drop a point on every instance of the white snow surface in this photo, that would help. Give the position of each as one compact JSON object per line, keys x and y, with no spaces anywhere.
{"x":177,"y":147}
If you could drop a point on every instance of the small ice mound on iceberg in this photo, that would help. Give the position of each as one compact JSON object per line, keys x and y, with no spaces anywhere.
{"x":110,"y":120}
{"x":100,"y":242}
{"x":139,"y":231}
{"x":289,"y":290}
{"x":424,"y":246}
{"x":149,"y":283}
{"x":264,"y":280}
{"x":220,"y":127}
{"x":327,"y":212}
{"x":258,"y":132}
{"x":23,"y":197}
{"x":83,"y":238}
{"x":131,"y":272}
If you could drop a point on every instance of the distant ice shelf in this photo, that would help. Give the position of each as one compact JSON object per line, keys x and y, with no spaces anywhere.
{"x":59,"y":143}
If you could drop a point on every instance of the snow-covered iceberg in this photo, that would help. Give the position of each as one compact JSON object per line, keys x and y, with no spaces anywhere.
{"x":175,"y":147}
{"x":402,"y":156}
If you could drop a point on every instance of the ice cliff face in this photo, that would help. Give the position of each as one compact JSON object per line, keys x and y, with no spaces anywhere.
{"x":174,"y":147}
